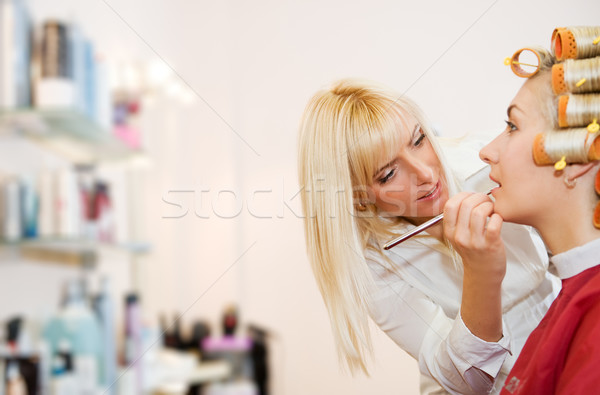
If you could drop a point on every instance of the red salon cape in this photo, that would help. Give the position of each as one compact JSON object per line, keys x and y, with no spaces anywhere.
{"x":562,"y":355}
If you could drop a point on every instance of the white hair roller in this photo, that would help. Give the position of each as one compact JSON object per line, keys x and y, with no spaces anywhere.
{"x":576,"y":76}
{"x":566,"y":146}
{"x":570,"y":143}
{"x":578,"y":110}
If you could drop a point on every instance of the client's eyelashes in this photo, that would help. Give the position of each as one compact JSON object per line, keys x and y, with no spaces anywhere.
{"x":510,"y":126}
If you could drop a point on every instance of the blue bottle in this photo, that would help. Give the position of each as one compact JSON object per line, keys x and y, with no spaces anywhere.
{"x":77,"y":324}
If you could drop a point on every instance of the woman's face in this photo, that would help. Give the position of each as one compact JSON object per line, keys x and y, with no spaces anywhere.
{"x":412,"y":185}
{"x":524,"y":188}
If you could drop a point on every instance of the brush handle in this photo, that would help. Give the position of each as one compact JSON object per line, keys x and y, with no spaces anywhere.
{"x":413,"y":232}
{"x":417,"y":230}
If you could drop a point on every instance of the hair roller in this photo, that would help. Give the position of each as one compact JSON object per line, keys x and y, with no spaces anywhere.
{"x":571,"y":145}
{"x":576,"y":76}
{"x":578,"y":110}
{"x":576,"y":42}
{"x":564,"y":45}
{"x":579,"y":50}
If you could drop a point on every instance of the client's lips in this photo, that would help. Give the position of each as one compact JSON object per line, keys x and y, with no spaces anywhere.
{"x":433,"y":194}
{"x":493,"y":191}
{"x":496,"y":181}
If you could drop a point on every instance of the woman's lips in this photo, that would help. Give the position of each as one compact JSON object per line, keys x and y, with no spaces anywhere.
{"x":433,"y":194}
{"x":495,"y":188}
{"x":496,"y":181}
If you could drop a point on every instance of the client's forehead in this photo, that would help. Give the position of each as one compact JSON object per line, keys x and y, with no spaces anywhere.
{"x":528,"y":98}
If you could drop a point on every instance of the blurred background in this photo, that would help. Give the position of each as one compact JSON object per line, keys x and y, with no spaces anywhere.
{"x":152,"y":238}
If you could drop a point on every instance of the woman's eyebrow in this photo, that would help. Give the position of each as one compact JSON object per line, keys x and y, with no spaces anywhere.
{"x":510,"y":108}
{"x":384,"y":166}
{"x":417,"y":128}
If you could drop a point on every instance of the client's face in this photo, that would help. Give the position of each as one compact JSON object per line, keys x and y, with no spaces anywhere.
{"x":524,"y":189}
{"x":412,"y":185}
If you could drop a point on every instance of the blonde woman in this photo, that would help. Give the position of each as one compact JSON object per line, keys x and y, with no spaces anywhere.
{"x":371,"y":169}
{"x":562,"y":356}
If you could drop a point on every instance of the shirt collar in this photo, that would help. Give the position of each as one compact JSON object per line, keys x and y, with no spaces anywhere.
{"x":576,"y":260}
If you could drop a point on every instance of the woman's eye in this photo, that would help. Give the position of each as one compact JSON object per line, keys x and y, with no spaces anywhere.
{"x":390,"y":173}
{"x":419,"y":141}
{"x":511,"y":127}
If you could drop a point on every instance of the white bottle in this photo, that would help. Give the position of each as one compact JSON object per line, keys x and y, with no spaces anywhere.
{"x":15,"y":385}
{"x":68,"y":204}
{"x":12,"y":230}
{"x":47,"y":210}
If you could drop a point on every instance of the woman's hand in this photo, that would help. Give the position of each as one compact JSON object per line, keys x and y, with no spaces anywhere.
{"x":473,"y":229}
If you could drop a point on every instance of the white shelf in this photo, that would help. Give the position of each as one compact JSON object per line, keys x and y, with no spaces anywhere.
{"x":71,"y":252}
{"x":67,"y":133}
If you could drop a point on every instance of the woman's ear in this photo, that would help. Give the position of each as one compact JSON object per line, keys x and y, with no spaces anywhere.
{"x":578,"y":170}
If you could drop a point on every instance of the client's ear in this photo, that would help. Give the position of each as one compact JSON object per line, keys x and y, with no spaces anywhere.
{"x":578,"y":170}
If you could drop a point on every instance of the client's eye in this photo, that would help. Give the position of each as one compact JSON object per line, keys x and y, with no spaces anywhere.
{"x":510,"y":126}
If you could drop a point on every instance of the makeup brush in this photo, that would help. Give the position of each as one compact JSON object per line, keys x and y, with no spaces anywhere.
{"x":417,"y":230}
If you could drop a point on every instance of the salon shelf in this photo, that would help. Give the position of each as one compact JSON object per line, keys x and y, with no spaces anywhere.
{"x":67,"y":133}
{"x":71,"y":252}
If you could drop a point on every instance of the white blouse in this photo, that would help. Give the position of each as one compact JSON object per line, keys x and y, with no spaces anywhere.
{"x":418,"y":296}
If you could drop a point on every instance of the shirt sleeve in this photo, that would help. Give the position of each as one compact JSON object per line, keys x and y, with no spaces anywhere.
{"x":475,"y":356}
{"x":444,"y":347}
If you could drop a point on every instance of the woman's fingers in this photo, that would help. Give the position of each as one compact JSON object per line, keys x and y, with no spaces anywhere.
{"x":494,"y":227}
{"x":473,"y":229}
{"x":465,"y":217}
{"x":479,"y":217}
{"x":451,"y":213}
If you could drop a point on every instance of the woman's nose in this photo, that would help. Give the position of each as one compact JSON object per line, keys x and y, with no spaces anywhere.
{"x":488,"y":153}
{"x":422,"y":171}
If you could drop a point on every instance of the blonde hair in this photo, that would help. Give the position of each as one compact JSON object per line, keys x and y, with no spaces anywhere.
{"x":546,"y":97}
{"x":346,"y":132}
{"x":568,"y":113}
{"x":571,"y":99}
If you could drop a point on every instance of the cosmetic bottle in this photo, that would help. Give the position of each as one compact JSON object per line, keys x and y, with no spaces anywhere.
{"x":230,"y":320}
{"x":104,"y":213}
{"x":57,"y":377}
{"x":103,"y":305}
{"x":15,"y":54}
{"x":133,"y":339}
{"x":65,"y":353}
{"x":62,"y":381}
{"x":11,"y":226}
{"x":68,"y":204}
{"x":30,"y":208}
{"x":15,"y":385}
{"x":85,"y":181}
{"x":47,"y":204}
{"x":77,"y":324}
{"x":55,"y":88}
